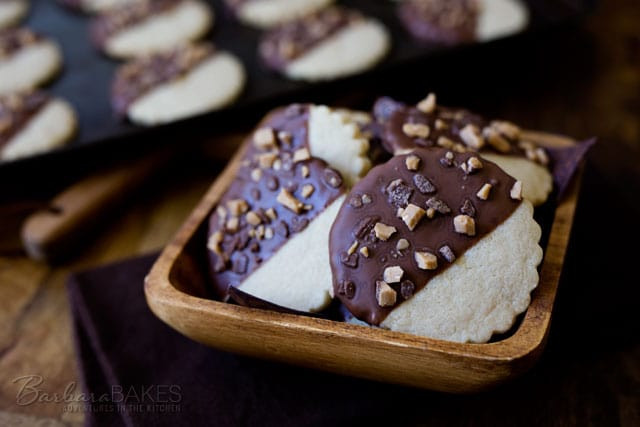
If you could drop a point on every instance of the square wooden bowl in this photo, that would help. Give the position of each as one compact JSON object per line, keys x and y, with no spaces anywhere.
{"x":177,"y":292}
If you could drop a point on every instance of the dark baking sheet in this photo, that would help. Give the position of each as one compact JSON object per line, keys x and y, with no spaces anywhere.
{"x":87,"y":74}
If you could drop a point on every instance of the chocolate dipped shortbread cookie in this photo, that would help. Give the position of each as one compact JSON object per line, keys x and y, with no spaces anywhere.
{"x":178,"y":83}
{"x":404,"y":127}
{"x":33,"y":122}
{"x":325,"y":45}
{"x":268,"y":235}
{"x":444,"y":247}
{"x":461,"y":21}
{"x":27,"y":60}
{"x":150,"y":26}
{"x":12,"y":11}
{"x":269,"y":13}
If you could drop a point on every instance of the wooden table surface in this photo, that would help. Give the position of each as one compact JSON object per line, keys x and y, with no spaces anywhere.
{"x":583,"y":81}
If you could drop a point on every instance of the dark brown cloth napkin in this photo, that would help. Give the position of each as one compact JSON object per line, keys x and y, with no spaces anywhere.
{"x":587,"y":376}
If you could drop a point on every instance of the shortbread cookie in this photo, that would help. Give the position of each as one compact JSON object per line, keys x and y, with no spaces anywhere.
{"x":179,"y":83}
{"x":11,"y":12}
{"x":405,"y":127}
{"x":461,"y":21}
{"x":436,"y":243}
{"x":269,"y":233}
{"x":269,"y":13}
{"x":32,"y":123}
{"x":98,"y":6}
{"x":27,"y":60}
{"x":150,"y":26}
{"x":332,"y":43}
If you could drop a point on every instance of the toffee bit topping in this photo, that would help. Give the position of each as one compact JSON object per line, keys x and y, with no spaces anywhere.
{"x":237,"y":207}
{"x":364,"y":251}
{"x":402,"y":244}
{"x":428,"y":105}
{"x":289,"y":201}
{"x":467,"y":208}
{"x":304,"y":171}
{"x":411,"y":215}
{"x":268,"y":233}
{"x":445,"y":142}
{"x":516,"y":191}
{"x":385,"y":295}
{"x":483,"y":193}
{"x":506,"y":128}
{"x":441,"y":125}
{"x":266,"y":160}
{"x":353,"y":247}
{"x":416,"y":130}
{"x":407,"y":289}
{"x":431,"y":213}
{"x":473,"y":164}
{"x":464,"y":224}
{"x":264,"y":139}
{"x":423,"y":184}
{"x":366,"y":199}
{"x":393,"y":274}
{"x":447,"y":253}
{"x":285,"y":137}
{"x":332,"y":178}
{"x":271,"y":214}
{"x":426,"y":260}
{"x":383,"y":231}
{"x":412,"y":162}
{"x":355,"y":201}
{"x":543,"y":158}
{"x":301,"y":155}
{"x":253,"y":218}
{"x":256,"y":174}
{"x":496,"y":140}
{"x":232,"y":225}
{"x":471,"y":136}
{"x":438,"y":205}
{"x":350,"y":260}
{"x":214,"y":242}
{"x":399,"y":193}
{"x":307,"y":190}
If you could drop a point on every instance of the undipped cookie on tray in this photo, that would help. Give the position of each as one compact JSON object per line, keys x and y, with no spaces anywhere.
{"x":461,"y":21}
{"x":269,"y":13}
{"x":268,"y":235}
{"x":404,"y":127}
{"x":438,"y":244}
{"x":12,"y":11}
{"x":178,"y":83}
{"x":27,"y":60}
{"x":32,"y":123}
{"x":150,"y":26}
{"x":332,"y":43}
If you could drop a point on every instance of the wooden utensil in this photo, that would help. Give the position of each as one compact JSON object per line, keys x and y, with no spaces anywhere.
{"x":176,"y":292}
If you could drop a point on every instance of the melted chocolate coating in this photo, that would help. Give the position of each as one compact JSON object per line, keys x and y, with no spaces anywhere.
{"x":16,"y":110}
{"x":445,"y":22}
{"x":355,"y":276}
{"x":240,"y":253}
{"x":289,"y":41}
{"x":392,"y":115}
{"x":118,"y":19}
{"x":141,"y":75}
{"x":12,"y":40}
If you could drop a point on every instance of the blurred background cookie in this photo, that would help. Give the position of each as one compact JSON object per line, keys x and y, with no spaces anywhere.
{"x":461,"y":21}
{"x":32,"y":123}
{"x":269,"y":13}
{"x":27,"y":60}
{"x":150,"y":26}
{"x":325,"y":45}
{"x":11,"y":12}
{"x":182,"y":82}
{"x":404,"y":127}
{"x":97,"y":6}
{"x":436,"y":243}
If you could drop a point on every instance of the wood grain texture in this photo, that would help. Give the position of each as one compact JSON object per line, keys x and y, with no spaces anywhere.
{"x":175,"y":286}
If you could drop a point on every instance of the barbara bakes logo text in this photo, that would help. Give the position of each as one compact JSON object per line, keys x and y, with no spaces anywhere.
{"x":138,"y":398}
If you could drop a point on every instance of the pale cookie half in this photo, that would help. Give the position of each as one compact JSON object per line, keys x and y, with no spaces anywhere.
{"x":51,"y":127}
{"x":500,"y":18}
{"x":537,"y":182}
{"x":154,"y":28}
{"x":335,"y":137}
{"x":269,"y":13}
{"x":11,"y":12}
{"x":30,"y":60}
{"x":98,"y":6}
{"x":211,"y":85}
{"x":483,"y":291}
